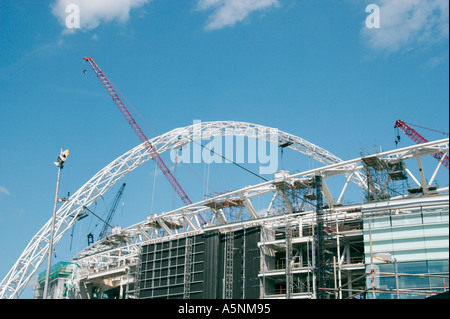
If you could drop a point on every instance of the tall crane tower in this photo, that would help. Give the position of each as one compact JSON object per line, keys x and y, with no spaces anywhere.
{"x":111,"y":211}
{"x":419,"y":139}
{"x":148,"y":145}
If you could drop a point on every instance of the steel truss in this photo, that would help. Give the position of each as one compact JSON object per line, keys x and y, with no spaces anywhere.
{"x":126,"y":242}
{"x":146,"y":231}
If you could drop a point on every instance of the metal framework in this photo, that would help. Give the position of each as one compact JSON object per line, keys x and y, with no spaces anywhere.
{"x":111,"y":212}
{"x":147,"y":231}
{"x":229,"y":265}
{"x":416,"y":137}
{"x":123,"y":244}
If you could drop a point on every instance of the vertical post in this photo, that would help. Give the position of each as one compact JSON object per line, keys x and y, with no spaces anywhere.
{"x":313,"y":258}
{"x":320,"y":242}
{"x":335,"y":279}
{"x":188,"y":267}
{"x":289,"y":275}
{"x":229,"y":244}
{"x":262,"y":262}
{"x":50,"y":248}
{"x":372,"y":271}
{"x":338,"y":250}
{"x":396,"y":278}
{"x":121,"y":287}
{"x":244,"y":248}
{"x":423,"y":182}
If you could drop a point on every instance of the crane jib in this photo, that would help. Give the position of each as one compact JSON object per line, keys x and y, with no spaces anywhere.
{"x":419,"y":139}
{"x":148,"y":145}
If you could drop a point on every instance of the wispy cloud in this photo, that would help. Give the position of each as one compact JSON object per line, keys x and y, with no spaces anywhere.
{"x":4,"y":190}
{"x":42,"y":50}
{"x":405,"y":24}
{"x":228,"y":12}
{"x":435,"y":61}
{"x":95,"y":12}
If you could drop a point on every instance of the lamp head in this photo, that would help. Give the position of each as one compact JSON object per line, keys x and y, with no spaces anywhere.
{"x":61,"y":158}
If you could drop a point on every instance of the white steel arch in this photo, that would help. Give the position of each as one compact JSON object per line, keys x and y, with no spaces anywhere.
{"x":35,"y":252}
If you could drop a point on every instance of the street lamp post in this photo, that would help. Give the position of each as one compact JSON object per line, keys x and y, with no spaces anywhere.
{"x":60,"y":164}
{"x":388,"y":258}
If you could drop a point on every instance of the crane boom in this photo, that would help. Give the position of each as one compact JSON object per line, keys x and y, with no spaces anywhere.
{"x":419,"y":139}
{"x":148,"y":145}
{"x":112,"y":211}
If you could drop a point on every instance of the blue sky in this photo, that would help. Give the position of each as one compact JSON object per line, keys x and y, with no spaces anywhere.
{"x":309,"y":68}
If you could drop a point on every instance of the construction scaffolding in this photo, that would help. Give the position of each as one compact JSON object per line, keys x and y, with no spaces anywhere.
{"x":303,"y":260}
{"x":229,"y":257}
{"x":60,"y":279}
{"x":188,"y":268}
{"x":321,"y":254}
{"x":386,"y":177}
{"x":289,"y":261}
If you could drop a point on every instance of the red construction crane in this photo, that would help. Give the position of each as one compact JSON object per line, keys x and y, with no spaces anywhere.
{"x":419,"y":139}
{"x":148,"y":145}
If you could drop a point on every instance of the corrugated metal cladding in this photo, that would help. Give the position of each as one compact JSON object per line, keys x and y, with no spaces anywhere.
{"x":163,"y":266}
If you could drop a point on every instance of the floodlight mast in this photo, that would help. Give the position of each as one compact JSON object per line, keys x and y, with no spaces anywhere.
{"x":148,"y":145}
{"x":60,"y":164}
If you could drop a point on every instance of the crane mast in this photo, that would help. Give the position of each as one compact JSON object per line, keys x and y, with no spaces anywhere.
{"x":112,"y":211}
{"x":419,"y":139}
{"x":148,"y":145}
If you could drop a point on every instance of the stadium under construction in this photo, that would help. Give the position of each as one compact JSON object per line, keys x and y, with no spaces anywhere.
{"x":306,"y":243}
